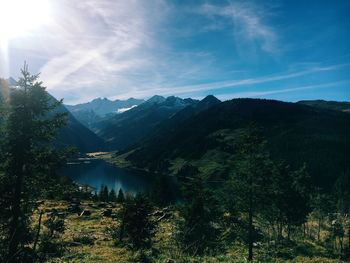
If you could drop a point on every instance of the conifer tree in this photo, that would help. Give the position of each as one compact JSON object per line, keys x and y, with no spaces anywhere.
{"x":30,"y":127}
{"x":249,"y":179}
{"x":103,"y":194}
{"x":112,"y":197}
{"x":199,"y":229}
{"x":137,"y":225}
{"x":121,"y":197}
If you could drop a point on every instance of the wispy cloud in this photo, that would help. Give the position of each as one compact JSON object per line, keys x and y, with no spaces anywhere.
{"x":190,"y":89}
{"x":109,"y":48}
{"x":248,"y":25}
{"x":257,"y":93}
{"x":108,"y":39}
{"x":119,"y":49}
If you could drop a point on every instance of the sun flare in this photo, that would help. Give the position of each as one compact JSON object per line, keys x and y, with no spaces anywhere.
{"x":19,"y":17}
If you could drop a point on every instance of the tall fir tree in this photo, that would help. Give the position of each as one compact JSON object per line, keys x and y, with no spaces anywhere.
{"x":103,"y":194}
{"x":249,"y":180}
{"x":199,"y":228}
{"x":112,"y":197}
{"x":137,"y":225}
{"x":30,"y":128}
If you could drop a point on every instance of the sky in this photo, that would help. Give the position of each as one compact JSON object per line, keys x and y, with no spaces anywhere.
{"x":287,"y":50}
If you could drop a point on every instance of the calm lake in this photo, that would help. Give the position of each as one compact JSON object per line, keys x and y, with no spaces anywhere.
{"x":98,"y":172}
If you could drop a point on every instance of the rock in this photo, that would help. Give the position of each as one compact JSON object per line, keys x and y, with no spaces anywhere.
{"x":85,"y":213}
{"x":74,"y":208}
{"x":164,"y":216}
{"x":61,"y":214}
{"x":74,"y":244}
{"x":107,"y":212}
{"x":157,"y":213}
{"x":52,"y":212}
{"x":49,"y":214}
{"x":166,"y":209}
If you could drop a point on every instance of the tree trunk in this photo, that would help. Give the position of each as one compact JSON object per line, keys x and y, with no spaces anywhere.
{"x":349,"y":238}
{"x":319,"y":229}
{"x":288,"y":231}
{"x":16,"y":213}
{"x":250,"y":226}
{"x":38,"y":232}
{"x":121,"y":232}
{"x":341,"y":244}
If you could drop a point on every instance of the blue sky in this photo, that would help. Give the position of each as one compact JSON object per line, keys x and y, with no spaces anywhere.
{"x":288,"y":50}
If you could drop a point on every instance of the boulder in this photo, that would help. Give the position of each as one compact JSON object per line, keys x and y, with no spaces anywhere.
{"x":74,"y":208}
{"x":85,"y":213}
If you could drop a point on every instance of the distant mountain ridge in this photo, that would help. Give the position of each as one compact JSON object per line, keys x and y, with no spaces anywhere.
{"x":123,"y":130}
{"x":94,"y":111}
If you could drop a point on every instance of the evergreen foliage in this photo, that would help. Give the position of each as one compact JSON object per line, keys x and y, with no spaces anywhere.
{"x":103,"y":194}
{"x":112,"y":197}
{"x":120,"y":197}
{"x":199,"y":227}
{"x":136,"y":226}
{"x":28,"y":130}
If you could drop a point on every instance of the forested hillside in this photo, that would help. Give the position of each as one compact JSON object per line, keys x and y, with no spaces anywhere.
{"x":295,"y":133}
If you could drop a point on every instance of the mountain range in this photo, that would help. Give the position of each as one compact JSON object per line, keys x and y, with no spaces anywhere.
{"x":182,"y":131}
{"x":96,"y":110}
{"x":123,"y":130}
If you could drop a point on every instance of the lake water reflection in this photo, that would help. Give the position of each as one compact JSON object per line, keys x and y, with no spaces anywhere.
{"x":98,"y":172}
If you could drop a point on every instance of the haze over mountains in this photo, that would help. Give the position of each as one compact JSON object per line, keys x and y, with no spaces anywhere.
{"x":189,"y":130}
{"x":123,"y":130}
{"x":94,"y":111}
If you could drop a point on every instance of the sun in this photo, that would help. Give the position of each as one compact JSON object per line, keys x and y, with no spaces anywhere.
{"x":20,"y":17}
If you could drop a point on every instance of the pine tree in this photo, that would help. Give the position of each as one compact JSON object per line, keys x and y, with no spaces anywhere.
{"x":103,"y":194}
{"x":30,"y":127}
{"x":199,"y":228}
{"x":289,"y":198}
{"x":112,"y":197}
{"x":249,"y":179}
{"x":121,"y":197}
{"x":162,"y":193}
{"x":137,"y":225}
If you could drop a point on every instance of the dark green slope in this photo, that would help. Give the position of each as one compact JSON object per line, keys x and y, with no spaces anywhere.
{"x":126,"y":129}
{"x":330,"y":105}
{"x":77,"y":135}
{"x":295,"y":133}
{"x":169,"y":126}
